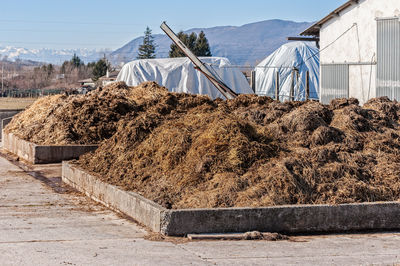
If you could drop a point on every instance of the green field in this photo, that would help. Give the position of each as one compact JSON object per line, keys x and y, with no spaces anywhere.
{"x":15,"y":103}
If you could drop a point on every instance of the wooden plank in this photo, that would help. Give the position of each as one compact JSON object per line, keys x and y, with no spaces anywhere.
{"x":303,"y":39}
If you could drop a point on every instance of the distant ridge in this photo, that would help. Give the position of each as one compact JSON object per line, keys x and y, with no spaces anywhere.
{"x":242,"y":45}
{"x":245,"y":44}
{"x":46,"y":55}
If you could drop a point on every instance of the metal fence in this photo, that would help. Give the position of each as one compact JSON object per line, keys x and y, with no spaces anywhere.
{"x":388,"y":56}
{"x":30,"y":93}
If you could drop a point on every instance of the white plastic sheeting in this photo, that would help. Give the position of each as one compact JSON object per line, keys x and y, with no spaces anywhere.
{"x":179,"y":75}
{"x":304,"y":56}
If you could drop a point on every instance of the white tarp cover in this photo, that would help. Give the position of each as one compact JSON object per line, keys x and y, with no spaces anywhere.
{"x":302,"y":55}
{"x":179,"y":75}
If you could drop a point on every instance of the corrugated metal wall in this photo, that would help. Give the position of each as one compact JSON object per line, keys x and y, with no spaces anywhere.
{"x":334,"y":82}
{"x":388,"y":58}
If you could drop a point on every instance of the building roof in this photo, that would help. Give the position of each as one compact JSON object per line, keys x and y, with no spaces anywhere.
{"x":89,"y":80}
{"x":314,"y":29}
{"x":111,"y":76}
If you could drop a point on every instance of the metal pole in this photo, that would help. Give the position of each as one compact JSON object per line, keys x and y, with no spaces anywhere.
{"x":277,"y":86}
{"x":291,"y":95}
{"x":307,"y":85}
{"x":2,"y":77}
{"x":253,"y":81}
{"x":297,"y":91}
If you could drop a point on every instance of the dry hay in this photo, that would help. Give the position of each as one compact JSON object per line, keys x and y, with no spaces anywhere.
{"x":81,"y":119}
{"x":187,"y":151}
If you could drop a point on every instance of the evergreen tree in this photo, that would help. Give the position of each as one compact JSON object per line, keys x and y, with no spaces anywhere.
{"x":191,"y":41}
{"x":202,"y":48}
{"x":64,"y":67}
{"x":76,"y":61}
{"x":148,"y":48}
{"x":100,"y":68}
{"x":197,"y":44}
{"x":91,"y":64}
{"x":175,"y":51}
{"x":48,"y":69}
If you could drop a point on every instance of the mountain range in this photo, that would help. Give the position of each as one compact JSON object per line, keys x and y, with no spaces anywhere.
{"x":242,"y":45}
{"x":46,"y":55}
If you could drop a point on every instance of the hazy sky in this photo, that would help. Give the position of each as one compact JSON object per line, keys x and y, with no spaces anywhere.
{"x":111,"y":24}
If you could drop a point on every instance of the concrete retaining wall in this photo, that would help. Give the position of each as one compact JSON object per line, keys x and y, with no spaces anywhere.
{"x":38,"y":154}
{"x":288,"y":219}
{"x":7,"y":114}
{"x":142,"y":210}
{"x":281,"y":219}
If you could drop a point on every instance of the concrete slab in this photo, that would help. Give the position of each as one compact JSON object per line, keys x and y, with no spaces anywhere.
{"x":43,"y":154}
{"x":39,"y":226}
{"x":370,"y":249}
{"x":281,"y":219}
{"x":73,"y":230}
{"x":93,"y":252}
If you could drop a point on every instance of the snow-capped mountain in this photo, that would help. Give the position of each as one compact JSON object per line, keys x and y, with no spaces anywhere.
{"x":243,"y":45}
{"x":52,"y":56}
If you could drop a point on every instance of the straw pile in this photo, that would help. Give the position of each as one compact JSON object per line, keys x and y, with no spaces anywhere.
{"x":81,"y":119}
{"x":186,"y":151}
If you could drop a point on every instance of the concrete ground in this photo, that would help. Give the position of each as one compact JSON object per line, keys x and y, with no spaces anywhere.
{"x":43,"y":222}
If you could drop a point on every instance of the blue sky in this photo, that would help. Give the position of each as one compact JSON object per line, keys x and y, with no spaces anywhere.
{"x":111,"y":24}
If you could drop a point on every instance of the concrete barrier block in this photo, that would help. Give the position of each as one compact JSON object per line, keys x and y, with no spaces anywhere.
{"x":132,"y":204}
{"x":42,"y":154}
{"x":279,"y":219}
{"x":287,"y":219}
{"x":21,"y":148}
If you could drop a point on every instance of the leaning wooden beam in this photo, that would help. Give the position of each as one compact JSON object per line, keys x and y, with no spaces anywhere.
{"x":203,"y":68}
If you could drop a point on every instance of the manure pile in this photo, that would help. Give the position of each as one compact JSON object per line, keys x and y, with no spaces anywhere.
{"x":186,"y":151}
{"x":81,"y":119}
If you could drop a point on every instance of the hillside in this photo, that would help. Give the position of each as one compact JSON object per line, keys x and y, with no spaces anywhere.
{"x":246,"y":44}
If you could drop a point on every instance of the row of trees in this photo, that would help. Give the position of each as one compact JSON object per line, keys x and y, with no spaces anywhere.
{"x":51,"y":76}
{"x":71,"y":71}
{"x":95,"y":70}
{"x":198,"y":44}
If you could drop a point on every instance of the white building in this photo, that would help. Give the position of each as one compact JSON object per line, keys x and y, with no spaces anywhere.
{"x":360,"y":50}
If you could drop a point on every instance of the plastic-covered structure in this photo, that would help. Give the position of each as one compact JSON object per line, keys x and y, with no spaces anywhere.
{"x":304,"y":56}
{"x":179,"y":75}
